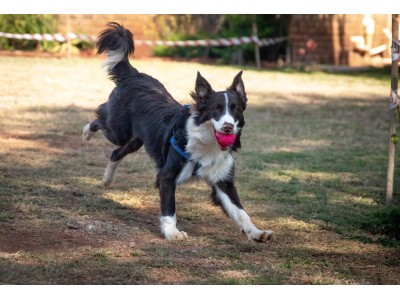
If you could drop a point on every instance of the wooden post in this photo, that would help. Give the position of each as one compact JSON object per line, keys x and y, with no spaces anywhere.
{"x":256,"y":47}
{"x":68,"y":39}
{"x":392,"y":146}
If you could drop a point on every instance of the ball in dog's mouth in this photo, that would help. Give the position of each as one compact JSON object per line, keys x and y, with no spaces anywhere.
{"x":225,"y":140}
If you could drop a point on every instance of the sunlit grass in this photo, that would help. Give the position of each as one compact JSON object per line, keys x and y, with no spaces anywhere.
{"x":312,"y":168}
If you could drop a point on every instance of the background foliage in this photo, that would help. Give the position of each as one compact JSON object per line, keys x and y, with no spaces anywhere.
{"x":169,"y":27}
{"x":27,"y":24}
{"x":191,"y":27}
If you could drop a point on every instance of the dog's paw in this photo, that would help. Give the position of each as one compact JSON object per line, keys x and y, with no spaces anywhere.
{"x":109,"y":173}
{"x":176,"y":235}
{"x":86,"y":133}
{"x":107,"y":182}
{"x":262,"y":236}
{"x":108,"y":178}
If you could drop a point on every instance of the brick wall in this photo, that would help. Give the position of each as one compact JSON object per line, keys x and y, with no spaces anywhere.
{"x":142,"y":27}
{"x":332,"y":35}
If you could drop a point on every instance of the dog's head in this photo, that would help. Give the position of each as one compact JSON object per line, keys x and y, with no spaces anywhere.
{"x":223,"y":109}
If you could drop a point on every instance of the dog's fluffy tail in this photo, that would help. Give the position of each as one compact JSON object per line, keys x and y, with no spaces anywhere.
{"x":118,"y":43}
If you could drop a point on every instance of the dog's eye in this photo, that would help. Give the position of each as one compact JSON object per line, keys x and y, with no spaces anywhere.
{"x":217,"y":107}
{"x":233,"y":107}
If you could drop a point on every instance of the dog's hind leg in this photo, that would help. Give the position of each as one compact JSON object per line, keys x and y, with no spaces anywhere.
{"x":90,"y":129}
{"x":118,"y":154}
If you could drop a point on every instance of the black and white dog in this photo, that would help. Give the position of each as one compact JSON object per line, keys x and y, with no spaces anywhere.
{"x":183,"y":141}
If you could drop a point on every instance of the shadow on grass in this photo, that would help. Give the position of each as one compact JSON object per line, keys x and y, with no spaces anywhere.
{"x":54,"y":184}
{"x":322,"y":162}
{"x":141,"y":267}
{"x":377,"y":73}
{"x":319,"y":163}
{"x":382,"y":73}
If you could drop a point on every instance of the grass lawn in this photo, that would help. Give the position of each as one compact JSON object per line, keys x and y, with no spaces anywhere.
{"x":312,"y":168}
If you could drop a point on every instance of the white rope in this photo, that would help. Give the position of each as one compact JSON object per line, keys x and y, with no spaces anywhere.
{"x":224,"y":42}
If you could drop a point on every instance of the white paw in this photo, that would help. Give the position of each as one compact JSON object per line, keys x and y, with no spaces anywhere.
{"x":176,"y":235}
{"x":86,"y":133}
{"x":108,"y":179}
{"x":262,"y":236}
{"x":169,"y":230}
{"x":109,"y":173}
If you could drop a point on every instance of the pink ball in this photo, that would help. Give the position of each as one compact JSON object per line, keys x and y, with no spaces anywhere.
{"x":225,"y":140}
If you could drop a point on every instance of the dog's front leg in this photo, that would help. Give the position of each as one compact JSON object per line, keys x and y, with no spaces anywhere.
{"x":167,"y":188}
{"x":224,"y":193}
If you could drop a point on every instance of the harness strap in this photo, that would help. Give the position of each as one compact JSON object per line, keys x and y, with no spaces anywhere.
{"x":177,"y":148}
{"x":182,"y":152}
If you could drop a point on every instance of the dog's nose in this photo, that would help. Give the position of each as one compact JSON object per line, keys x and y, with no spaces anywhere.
{"x":227,"y":128}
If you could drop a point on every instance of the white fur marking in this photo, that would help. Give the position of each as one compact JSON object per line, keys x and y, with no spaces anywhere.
{"x":169,"y":230}
{"x":87,"y":133}
{"x":109,"y":173}
{"x":113,"y":58}
{"x":215,"y":164}
{"x":226,"y":101}
{"x":241,"y":218}
{"x":226,"y":118}
{"x":186,"y":173}
{"x":218,"y":171}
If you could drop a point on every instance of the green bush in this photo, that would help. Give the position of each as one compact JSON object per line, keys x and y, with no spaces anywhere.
{"x":192,"y":27}
{"x":27,"y":24}
{"x":237,"y":26}
{"x":181,"y":52}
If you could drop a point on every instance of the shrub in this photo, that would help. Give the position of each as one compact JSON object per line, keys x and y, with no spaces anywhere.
{"x":27,"y":24}
{"x":185,"y":27}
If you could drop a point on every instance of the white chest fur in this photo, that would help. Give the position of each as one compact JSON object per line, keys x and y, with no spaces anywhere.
{"x":215,"y":164}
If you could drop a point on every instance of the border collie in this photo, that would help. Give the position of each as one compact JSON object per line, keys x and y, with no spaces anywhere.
{"x":184,"y":141}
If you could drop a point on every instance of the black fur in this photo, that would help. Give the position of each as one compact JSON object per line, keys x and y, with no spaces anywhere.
{"x":206,"y":104}
{"x":136,"y":99}
{"x":140,"y":111}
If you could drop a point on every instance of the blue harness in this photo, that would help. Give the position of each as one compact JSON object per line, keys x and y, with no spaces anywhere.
{"x":182,"y":152}
{"x":177,"y":148}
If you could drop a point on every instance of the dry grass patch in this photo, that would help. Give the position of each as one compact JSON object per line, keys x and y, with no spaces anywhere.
{"x":311,"y":168}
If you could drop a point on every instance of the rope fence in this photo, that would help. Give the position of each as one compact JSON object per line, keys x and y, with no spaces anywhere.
{"x":219,"y":42}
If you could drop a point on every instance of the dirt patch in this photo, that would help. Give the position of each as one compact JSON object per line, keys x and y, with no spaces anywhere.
{"x":310,"y":169}
{"x":12,"y":241}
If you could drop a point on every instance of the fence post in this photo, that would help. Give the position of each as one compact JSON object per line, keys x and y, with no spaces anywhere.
{"x":392,"y":146}
{"x":68,"y":39}
{"x":256,"y":47}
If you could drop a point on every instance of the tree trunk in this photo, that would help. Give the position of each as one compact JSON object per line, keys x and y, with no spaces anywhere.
{"x":394,"y":81}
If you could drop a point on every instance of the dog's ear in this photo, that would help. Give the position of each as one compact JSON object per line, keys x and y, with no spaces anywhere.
{"x":238,"y":87}
{"x":202,"y":89}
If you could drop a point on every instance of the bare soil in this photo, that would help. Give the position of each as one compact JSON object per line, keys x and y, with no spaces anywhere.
{"x":311,"y":169}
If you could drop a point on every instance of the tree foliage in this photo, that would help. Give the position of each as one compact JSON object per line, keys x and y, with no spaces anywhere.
{"x":191,"y":27}
{"x":26,"y":24}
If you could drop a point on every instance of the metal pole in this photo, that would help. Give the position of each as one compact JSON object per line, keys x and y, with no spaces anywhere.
{"x":392,"y":147}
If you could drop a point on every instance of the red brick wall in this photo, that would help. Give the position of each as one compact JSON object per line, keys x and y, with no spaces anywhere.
{"x":332,"y":34}
{"x":141,"y":26}
{"x":316,"y":27}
